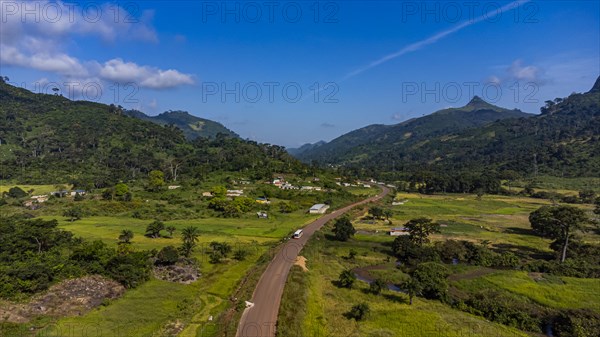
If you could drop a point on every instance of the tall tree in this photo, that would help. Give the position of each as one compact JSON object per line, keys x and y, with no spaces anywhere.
{"x":558,"y":223}
{"x":413,"y":288}
{"x":376,"y":212}
{"x":387,"y":213}
{"x":343,"y":229}
{"x":125,"y":236}
{"x":431,"y":278}
{"x":189,"y":237}
{"x":156,"y":180}
{"x":73,"y":213}
{"x":420,"y":229}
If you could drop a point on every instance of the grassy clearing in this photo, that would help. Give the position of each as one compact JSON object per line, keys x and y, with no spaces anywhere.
{"x":553,"y":292}
{"x":140,"y":312}
{"x":363,"y":191}
{"x":567,"y":185}
{"x":322,"y":313}
{"x":37,"y":189}
{"x":500,"y":219}
{"x":165,"y":303}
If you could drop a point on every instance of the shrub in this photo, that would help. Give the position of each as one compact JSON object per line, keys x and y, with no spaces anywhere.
{"x":346,"y":279}
{"x":505,"y":260}
{"x":130,"y":270}
{"x":377,"y":286}
{"x":577,"y":323}
{"x":432,"y":278}
{"x":359,"y":312}
{"x":505,"y":309}
{"x":240,"y":254}
{"x":16,"y":192}
{"x":167,"y":256}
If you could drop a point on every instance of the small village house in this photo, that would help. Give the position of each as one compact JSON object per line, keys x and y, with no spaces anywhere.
{"x":80,"y":192}
{"x":235,"y":193}
{"x":399,"y":231}
{"x":318,"y":209}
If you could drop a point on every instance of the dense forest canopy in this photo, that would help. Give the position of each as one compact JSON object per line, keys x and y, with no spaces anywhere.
{"x":47,"y":138}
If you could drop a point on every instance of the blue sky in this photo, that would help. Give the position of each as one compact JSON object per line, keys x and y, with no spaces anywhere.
{"x":355,"y":62}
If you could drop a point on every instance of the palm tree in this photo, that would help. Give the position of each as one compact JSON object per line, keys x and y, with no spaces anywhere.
{"x":154,"y":228}
{"x":171,"y":230}
{"x":190,"y":234}
{"x":126,"y":236}
{"x":187,"y":248}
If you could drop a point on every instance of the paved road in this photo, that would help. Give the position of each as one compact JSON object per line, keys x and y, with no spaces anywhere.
{"x":260,"y":320}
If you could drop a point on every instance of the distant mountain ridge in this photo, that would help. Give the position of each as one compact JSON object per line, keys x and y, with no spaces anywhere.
{"x":354,"y":145}
{"x":304,"y":148}
{"x":193,"y":127}
{"x":564,"y":140}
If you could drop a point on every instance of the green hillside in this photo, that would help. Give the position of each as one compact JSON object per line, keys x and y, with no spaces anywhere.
{"x":48,"y":138}
{"x":193,"y":127}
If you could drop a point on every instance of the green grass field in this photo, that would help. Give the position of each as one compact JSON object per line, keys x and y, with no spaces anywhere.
{"x":555,"y":292}
{"x":500,"y":219}
{"x":324,"y":305}
{"x":162,"y":303}
{"x":37,"y":189}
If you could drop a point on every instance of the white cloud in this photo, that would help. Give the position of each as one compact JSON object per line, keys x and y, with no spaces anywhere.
{"x":494,"y":80}
{"x":153,"y":104}
{"x":398,"y":117}
{"x":517,"y":71}
{"x":57,"y":19}
{"x":149,"y":77}
{"x":61,"y":64}
{"x":520,"y":72}
{"x":37,"y":40}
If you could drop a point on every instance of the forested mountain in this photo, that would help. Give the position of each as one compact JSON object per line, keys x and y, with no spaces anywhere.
{"x":359,"y":145}
{"x":192,"y":126}
{"x":562,"y":141}
{"x":305,"y":148}
{"x":49,"y":139}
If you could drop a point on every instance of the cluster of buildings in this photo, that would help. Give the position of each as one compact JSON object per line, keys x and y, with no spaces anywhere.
{"x":284,"y":185}
{"x":35,"y":200}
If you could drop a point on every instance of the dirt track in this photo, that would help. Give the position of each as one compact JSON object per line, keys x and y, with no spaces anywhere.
{"x":260,"y":320}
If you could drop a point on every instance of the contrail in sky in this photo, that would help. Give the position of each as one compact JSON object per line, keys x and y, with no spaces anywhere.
{"x":432,"y":39}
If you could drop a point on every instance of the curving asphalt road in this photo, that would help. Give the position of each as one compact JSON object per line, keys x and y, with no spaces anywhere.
{"x":260,"y":319}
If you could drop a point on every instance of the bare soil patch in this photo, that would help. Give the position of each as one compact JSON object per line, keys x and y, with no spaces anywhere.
{"x":301,"y":262}
{"x":68,"y":298}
